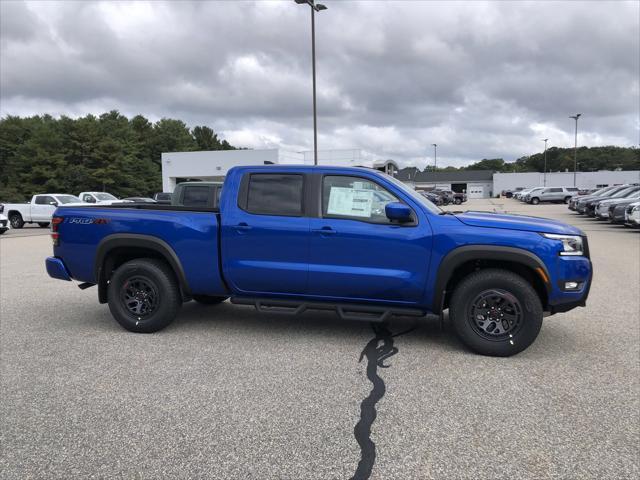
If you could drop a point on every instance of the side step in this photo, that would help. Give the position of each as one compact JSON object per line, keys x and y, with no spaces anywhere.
{"x":346,"y":311}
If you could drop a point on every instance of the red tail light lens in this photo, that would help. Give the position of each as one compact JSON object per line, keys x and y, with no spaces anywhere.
{"x":55,"y":236}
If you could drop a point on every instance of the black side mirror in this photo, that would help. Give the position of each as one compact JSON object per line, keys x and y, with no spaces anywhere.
{"x":398,"y":212}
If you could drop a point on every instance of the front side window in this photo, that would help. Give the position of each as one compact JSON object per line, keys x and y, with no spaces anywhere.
{"x":105,"y":196}
{"x":275,"y":194}
{"x":355,"y":198}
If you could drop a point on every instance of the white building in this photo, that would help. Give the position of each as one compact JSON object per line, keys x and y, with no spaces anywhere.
{"x":214,"y":165}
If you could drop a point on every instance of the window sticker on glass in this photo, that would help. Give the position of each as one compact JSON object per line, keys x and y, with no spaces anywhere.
{"x":350,"y":202}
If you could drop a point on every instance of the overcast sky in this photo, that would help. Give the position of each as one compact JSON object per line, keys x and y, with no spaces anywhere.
{"x":481,"y":80}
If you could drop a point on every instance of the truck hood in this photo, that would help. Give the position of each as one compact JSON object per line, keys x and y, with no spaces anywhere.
{"x":516,"y":222}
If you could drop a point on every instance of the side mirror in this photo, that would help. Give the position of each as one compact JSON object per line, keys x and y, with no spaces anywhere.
{"x":398,"y":212}
{"x":55,"y":204}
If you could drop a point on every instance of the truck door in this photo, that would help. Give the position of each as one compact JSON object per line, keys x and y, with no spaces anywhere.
{"x":265,"y":237}
{"x":42,"y":209}
{"x":356,"y":253}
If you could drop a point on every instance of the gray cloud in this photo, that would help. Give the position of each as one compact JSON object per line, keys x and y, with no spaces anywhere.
{"x":479,"y":79}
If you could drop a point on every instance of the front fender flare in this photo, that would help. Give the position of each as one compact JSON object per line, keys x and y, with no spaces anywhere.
{"x":467,"y":253}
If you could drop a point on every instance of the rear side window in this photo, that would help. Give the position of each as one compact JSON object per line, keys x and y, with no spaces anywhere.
{"x":275,"y":194}
{"x":555,"y":190}
{"x":196,"y":196}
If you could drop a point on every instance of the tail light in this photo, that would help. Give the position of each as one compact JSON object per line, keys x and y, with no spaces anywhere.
{"x":55,"y":235}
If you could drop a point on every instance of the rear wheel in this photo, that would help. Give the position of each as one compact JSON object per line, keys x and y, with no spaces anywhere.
{"x":496,"y":312}
{"x":143,"y":295}
{"x":15,"y":219}
{"x":208,"y":299}
{"x":458,"y":201}
{"x":567,"y":200}
{"x":535,"y":200}
{"x":43,"y":224}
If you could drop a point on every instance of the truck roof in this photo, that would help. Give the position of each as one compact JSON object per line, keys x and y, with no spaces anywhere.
{"x":306,"y":168}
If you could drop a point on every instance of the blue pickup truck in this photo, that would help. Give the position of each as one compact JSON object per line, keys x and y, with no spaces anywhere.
{"x":352,"y":240}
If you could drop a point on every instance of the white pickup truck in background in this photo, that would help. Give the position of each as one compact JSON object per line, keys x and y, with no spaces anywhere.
{"x":39,"y":211}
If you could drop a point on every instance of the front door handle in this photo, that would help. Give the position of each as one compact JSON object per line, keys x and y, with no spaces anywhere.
{"x":242,"y":227}
{"x":325,"y":231}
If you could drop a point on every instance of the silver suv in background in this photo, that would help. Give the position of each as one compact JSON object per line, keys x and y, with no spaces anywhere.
{"x":552,"y":194}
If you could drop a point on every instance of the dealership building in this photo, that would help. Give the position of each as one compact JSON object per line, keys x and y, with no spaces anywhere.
{"x":214,"y":165}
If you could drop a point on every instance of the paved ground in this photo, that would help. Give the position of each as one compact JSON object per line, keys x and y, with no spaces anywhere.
{"x":228,"y":393}
{"x":26,"y":231}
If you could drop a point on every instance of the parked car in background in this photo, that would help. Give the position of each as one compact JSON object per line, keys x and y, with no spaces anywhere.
{"x":617,"y":209}
{"x":591,"y":205}
{"x":102,"y":198}
{"x":4,"y":224}
{"x":510,"y":193}
{"x":581,"y":203}
{"x":197,"y":194}
{"x":139,"y":199}
{"x":575,"y":199}
{"x":163,"y":197}
{"x":587,"y":191}
{"x":552,"y":194}
{"x":39,"y":210}
{"x":432,"y":197}
{"x":522,"y":193}
{"x":632,"y":215}
{"x":527,"y":197}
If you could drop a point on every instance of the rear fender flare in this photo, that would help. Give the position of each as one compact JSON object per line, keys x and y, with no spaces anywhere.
{"x":123,"y":240}
{"x":461,"y":255}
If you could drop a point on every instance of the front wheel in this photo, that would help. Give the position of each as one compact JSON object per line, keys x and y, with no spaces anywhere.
{"x":208,"y":299}
{"x":458,"y":201}
{"x":535,"y":201}
{"x":144,"y":296}
{"x":15,"y":219}
{"x":496,"y":312}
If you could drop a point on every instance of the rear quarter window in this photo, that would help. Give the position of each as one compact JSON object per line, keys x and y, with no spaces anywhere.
{"x":275,"y":194}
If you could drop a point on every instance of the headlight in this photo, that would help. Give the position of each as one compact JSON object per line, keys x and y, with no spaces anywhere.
{"x":571,"y":244}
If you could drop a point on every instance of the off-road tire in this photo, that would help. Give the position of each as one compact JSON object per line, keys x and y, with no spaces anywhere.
{"x":164,"y":286}
{"x":208,"y":299}
{"x":43,"y":224}
{"x":473,"y":286}
{"x":16,"y":221}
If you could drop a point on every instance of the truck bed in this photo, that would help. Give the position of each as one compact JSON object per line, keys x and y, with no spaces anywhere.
{"x":189,"y":234}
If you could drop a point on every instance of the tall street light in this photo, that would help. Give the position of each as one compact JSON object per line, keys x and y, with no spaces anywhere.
{"x":435,"y":156}
{"x":545,"y":161}
{"x":315,"y":7}
{"x":575,"y":148}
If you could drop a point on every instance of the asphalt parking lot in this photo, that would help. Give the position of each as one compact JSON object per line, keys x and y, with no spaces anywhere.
{"x":226,"y":392}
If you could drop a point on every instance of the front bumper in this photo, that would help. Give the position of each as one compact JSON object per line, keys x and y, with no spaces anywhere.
{"x":57,"y":269}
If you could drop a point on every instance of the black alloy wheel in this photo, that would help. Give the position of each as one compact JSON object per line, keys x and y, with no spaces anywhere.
{"x":140,"y":296}
{"x":495,"y":314}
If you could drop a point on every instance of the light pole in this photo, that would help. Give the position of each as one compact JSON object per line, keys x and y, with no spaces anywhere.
{"x":315,"y":7}
{"x":435,"y":156}
{"x":575,"y":148}
{"x":545,"y":161}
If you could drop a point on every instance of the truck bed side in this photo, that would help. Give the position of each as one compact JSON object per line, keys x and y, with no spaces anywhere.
{"x":88,"y":235}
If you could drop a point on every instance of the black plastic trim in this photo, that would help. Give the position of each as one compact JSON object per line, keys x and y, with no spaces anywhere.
{"x":158,"y":245}
{"x":461,"y":255}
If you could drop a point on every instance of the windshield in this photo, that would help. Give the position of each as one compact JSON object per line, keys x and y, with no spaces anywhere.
{"x":68,"y":199}
{"x":415,"y":195}
{"x":625,"y":193}
{"x":104,"y":196}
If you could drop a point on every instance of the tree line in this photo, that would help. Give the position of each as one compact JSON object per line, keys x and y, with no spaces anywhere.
{"x":113,"y":153}
{"x":109,"y":153}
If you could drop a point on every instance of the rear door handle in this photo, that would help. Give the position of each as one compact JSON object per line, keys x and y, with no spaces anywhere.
{"x":325,"y":231}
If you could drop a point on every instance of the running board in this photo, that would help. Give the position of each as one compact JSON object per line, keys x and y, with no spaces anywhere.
{"x":346,"y":311}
